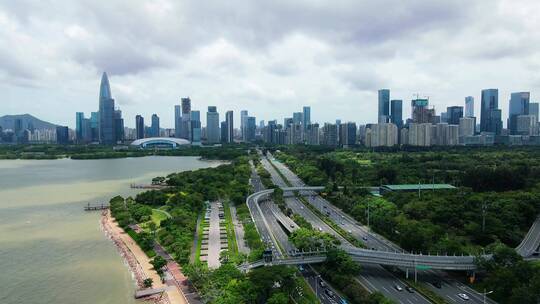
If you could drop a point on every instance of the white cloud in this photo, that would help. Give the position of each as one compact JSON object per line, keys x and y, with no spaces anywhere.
{"x":270,"y":57}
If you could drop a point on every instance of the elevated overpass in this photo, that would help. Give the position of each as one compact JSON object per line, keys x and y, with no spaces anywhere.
{"x":398,"y":259}
{"x":401,"y":259}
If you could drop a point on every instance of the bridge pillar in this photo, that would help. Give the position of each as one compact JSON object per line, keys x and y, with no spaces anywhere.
{"x":407,"y":273}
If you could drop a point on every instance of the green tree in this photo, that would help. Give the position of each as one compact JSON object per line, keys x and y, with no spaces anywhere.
{"x":147,"y":283}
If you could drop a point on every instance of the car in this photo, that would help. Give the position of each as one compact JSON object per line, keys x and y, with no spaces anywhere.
{"x":349,"y":231}
{"x":343,"y":216}
{"x":437,"y":284}
{"x":364,"y":238}
{"x":398,"y":288}
{"x":322,"y":284}
{"x":343,"y":301}
{"x":320,"y":229}
{"x":292,"y":226}
{"x":463,"y":296}
{"x":300,"y":267}
{"x":329,"y":293}
{"x":409,"y":289}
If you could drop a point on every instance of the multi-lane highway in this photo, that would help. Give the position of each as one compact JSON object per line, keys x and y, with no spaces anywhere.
{"x":530,"y":244}
{"x":380,"y":279}
{"x":265,"y":221}
{"x":449,"y":288}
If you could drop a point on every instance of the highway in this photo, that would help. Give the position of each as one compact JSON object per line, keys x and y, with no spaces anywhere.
{"x":257,"y":214}
{"x":449,"y":287}
{"x":530,"y":244}
{"x":379,"y":279}
{"x":265,"y":229}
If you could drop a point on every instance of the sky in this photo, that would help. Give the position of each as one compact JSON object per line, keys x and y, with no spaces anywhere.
{"x":269,"y":57}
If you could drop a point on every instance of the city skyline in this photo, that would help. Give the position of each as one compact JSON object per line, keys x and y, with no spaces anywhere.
{"x":438,"y":50}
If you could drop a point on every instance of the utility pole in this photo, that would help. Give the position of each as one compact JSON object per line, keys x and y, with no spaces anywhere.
{"x":368,"y":214}
{"x":484,"y":211}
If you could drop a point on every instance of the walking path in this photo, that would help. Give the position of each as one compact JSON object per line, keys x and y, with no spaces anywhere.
{"x":138,"y":262}
{"x":239,"y":231}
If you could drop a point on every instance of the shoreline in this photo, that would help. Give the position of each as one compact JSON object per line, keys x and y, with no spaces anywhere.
{"x":137,"y":262}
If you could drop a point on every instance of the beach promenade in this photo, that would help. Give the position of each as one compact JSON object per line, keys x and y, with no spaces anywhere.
{"x":138,"y":262}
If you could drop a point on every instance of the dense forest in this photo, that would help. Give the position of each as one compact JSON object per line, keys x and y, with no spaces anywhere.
{"x":496,"y":200}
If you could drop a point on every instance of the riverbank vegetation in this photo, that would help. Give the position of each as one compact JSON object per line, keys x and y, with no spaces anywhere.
{"x":43,"y":151}
{"x":496,"y":200}
{"x":185,"y":201}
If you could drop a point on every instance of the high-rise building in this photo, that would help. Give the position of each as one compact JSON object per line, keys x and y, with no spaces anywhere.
{"x":86,"y":130}
{"x":312,"y":134}
{"x":453,"y":114}
{"x":154,"y":128}
{"x":297,"y":118}
{"x":420,"y":111}
{"x":107,"y":131}
{"x":62,"y":135}
{"x":139,"y":126}
{"x":347,"y":136}
{"x":396,"y":112}
{"x":420,"y":134}
{"x":518,"y":105}
{"x":212,"y":125}
{"x":186,"y":115}
{"x":118,"y":126}
{"x":526,"y":125}
{"x":306,"y":117}
{"x":466,"y":126}
{"x":330,"y":137}
{"x":178,"y":121}
{"x":384,"y":106}
{"x":490,"y":115}
{"x":243,"y":117}
{"x":195,"y":127}
{"x":94,"y":125}
{"x":533,"y":110}
{"x":79,"y":121}
{"x":250,"y":128}
{"x":381,"y":135}
{"x":469,"y":106}
{"x":223,"y":130}
{"x":230,"y":126}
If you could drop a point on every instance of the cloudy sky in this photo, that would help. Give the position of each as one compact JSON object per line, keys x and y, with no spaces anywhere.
{"x":270,"y":57}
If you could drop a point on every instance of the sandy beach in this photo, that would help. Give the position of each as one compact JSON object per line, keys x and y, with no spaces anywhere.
{"x":138,"y":262}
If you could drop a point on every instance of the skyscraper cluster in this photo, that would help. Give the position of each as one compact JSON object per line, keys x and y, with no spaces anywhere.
{"x":105,"y":126}
{"x":455,"y":126}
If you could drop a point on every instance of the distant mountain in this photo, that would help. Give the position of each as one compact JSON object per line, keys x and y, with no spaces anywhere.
{"x":8,"y":121}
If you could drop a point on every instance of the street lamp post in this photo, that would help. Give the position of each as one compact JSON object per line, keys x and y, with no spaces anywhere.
{"x":368,"y":214}
{"x":486,"y":293}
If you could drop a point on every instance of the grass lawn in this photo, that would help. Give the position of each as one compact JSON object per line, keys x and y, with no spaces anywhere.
{"x":158,"y":216}
{"x":231,"y":236}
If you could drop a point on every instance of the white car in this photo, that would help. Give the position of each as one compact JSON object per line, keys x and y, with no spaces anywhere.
{"x":463,"y":296}
{"x":398,"y":288}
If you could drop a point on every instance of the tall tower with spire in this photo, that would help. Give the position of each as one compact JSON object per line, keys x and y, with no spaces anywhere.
{"x":107,"y":130}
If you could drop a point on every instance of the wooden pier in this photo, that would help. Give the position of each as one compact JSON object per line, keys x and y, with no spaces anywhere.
{"x":96,"y":207}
